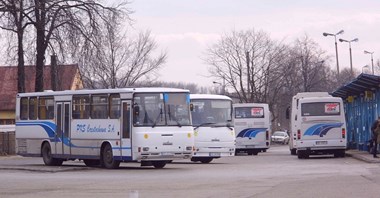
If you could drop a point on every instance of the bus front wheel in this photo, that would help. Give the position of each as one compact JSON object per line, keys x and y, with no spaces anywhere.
{"x":159,"y":164}
{"x":107,"y":160}
{"x":47,"y":157}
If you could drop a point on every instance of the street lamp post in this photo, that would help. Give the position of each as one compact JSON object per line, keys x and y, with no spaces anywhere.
{"x":223,"y":86}
{"x":367,"y":52}
{"x":336,"y":47}
{"x":365,"y":66}
{"x":349,"y":44}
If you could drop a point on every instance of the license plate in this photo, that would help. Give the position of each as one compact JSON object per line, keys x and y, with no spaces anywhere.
{"x":250,"y":146}
{"x":166,"y":154}
{"x":321,"y":142}
{"x":214,"y":154}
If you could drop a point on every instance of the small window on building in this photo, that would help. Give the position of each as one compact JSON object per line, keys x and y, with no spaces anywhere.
{"x":33,"y":108}
{"x":9,"y":121}
{"x":81,"y":106}
{"x":46,"y":108}
{"x":99,"y":106}
{"x":115,"y":106}
{"x":24,"y":109}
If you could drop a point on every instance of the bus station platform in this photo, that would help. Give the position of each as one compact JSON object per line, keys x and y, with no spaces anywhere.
{"x":363,"y":156}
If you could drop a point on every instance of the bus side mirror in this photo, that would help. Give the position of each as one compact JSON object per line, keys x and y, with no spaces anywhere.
{"x":288,"y":113}
{"x":136,"y":110}
{"x":191,"y":107}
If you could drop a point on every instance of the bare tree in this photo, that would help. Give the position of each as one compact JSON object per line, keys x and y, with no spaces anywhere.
{"x":12,"y":18}
{"x":115,"y":60}
{"x":244,"y":59}
{"x":53,"y":19}
{"x":309,"y":62}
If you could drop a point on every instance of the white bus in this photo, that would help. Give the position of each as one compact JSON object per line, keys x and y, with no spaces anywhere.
{"x":252,"y":126}
{"x":214,"y":135}
{"x":105,"y":127}
{"x":317,"y":124}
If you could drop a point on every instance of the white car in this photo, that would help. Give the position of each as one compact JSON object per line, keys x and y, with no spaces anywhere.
{"x":280,"y":137}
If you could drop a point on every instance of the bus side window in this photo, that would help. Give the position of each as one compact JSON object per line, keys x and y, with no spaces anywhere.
{"x":24,"y":109}
{"x":81,"y":107}
{"x":287,"y":112}
{"x":46,"y":108}
{"x":33,"y":108}
{"x":114,"y":106}
{"x":126,"y":120}
{"x":99,"y":106}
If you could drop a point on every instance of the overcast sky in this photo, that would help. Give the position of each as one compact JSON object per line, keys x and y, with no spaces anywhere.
{"x":184,"y":28}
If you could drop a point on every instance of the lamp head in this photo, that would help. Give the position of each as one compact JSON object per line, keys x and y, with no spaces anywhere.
{"x":367,"y":52}
{"x":342,"y":40}
{"x":326,"y":34}
{"x":355,"y":40}
{"x":340,"y":32}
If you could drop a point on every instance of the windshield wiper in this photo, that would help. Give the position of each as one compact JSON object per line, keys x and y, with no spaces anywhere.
{"x":224,"y":124}
{"x":228,"y":125}
{"x":159,"y":116}
{"x":204,"y":124}
{"x":178,"y":124}
{"x":173,"y":118}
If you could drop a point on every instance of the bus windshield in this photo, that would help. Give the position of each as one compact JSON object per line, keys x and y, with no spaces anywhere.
{"x":211,"y":111}
{"x":249,"y":112}
{"x":320,"y":109}
{"x":161,"y":109}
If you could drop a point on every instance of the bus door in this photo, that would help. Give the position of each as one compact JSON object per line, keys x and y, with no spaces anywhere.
{"x":62,"y":143}
{"x":126,"y":128}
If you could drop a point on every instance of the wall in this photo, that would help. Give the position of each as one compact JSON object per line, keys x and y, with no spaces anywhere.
{"x":361,"y":112}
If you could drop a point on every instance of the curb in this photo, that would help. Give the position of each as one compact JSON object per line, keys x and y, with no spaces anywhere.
{"x":362,"y":158}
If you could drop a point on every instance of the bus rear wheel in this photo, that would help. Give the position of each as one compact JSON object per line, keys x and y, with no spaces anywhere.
{"x":339,"y":153}
{"x":302,"y":154}
{"x":91,"y":162}
{"x":159,"y":164}
{"x":47,"y":157}
{"x":252,"y":152}
{"x":205,"y":160}
{"x":107,"y":160}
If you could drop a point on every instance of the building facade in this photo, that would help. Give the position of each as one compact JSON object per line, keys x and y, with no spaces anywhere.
{"x":68,"y":78}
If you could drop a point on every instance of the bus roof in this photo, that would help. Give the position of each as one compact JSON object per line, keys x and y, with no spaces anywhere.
{"x":320,"y":99}
{"x":99,"y":91}
{"x":209,"y":96}
{"x":312,"y":94}
{"x":250,"y":105}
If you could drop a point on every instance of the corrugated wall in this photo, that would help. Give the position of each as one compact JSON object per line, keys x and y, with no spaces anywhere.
{"x":361,"y":112}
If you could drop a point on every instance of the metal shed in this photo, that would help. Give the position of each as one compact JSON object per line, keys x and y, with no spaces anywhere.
{"x":361,"y":98}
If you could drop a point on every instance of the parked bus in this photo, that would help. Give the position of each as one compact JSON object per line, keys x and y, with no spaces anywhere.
{"x":252,"y":126}
{"x":317,"y":124}
{"x":214,"y":135}
{"x":105,"y":127}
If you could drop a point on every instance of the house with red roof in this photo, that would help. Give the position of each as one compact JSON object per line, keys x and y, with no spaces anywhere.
{"x":68,"y":78}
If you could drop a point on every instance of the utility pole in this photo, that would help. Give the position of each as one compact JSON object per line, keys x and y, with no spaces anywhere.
{"x":248,"y":75}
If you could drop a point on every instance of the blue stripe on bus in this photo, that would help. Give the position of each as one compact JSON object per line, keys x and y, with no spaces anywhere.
{"x":50,"y":130}
{"x":321,"y":129}
{"x":251,"y":132}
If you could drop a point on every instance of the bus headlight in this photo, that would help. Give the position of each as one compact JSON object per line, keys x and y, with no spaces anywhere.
{"x":146,"y":136}
{"x":189,"y":135}
{"x":145,"y":149}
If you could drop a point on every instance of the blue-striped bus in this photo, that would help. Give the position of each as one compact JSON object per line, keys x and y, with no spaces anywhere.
{"x":106,"y":126}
